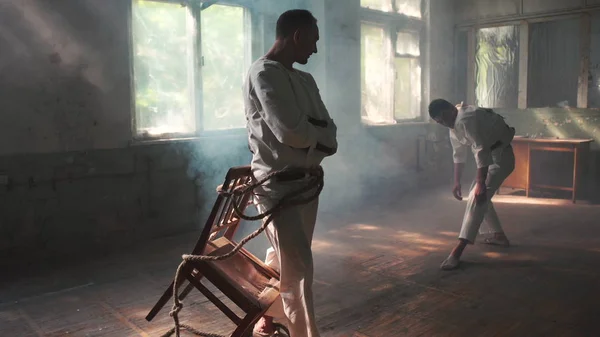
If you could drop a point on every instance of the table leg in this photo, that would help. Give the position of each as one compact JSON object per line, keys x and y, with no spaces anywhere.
{"x":575,"y":159}
{"x":528,"y":170}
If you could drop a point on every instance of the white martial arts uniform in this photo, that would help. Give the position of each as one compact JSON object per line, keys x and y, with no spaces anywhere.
{"x":482,"y":129}
{"x":278,"y":102}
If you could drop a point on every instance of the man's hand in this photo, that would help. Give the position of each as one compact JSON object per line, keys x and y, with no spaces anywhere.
{"x":480,"y":193}
{"x":461,"y":105}
{"x":457,"y":191}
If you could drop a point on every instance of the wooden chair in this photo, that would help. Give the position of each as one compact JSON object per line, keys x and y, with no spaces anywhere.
{"x":243,"y":278}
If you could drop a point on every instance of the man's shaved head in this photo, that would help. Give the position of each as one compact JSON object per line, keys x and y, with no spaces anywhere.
{"x":289,"y":22}
{"x":443,"y":112}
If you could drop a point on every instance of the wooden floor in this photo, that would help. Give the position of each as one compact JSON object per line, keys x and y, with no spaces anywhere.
{"x":376,"y":275}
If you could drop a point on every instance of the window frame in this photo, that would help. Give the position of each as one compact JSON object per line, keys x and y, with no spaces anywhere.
{"x":524,"y":22}
{"x":473,"y":59}
{"x":392,"y":24}
{"x":250,"y":46}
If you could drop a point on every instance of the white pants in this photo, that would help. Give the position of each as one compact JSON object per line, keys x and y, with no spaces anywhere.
{"x":291,"y":233}
{"x":475,"y":215}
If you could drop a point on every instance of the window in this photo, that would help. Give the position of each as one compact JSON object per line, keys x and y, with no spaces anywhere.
{"x":390,"y":64}
{"x":554,"y":64}
{"x":594,"y":71}
{"x":497,"y":67}
{"x":374,"y":72}
{"x":189,"y":64}
{"x":550,"y":48}
{"x":406,"y":7}
{"x":407,"y":71}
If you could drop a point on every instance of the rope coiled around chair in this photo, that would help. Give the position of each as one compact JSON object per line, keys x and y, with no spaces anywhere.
{"x":291,"y":199}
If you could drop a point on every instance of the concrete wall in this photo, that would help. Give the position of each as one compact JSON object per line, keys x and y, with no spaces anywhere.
{"x":70,"y":179}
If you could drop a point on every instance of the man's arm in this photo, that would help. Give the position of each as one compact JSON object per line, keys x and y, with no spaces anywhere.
{"x":330,"y":151}
{"x":483,"y":158}
{"x":459,"y":155}
{"x":280,"y":109}
{"x":483,"y":155}
{"x":458,"y":170}
{"x":323,"y":124}
{"x":328,"y":134}
{"x":482,"y":174}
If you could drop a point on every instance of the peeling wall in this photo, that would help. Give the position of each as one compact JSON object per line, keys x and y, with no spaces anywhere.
{"x":64,"y":76}
{"x":562,"y":123}
{"x":556,"y":122}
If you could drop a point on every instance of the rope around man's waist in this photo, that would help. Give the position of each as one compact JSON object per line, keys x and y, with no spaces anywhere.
{"x":294,"y":198}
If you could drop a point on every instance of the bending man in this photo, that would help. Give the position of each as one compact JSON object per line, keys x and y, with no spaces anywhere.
{"x":489,"y":137}
{"x":288,"y":127}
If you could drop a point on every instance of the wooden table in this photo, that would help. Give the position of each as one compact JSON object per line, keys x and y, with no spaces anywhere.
{"x":523,"y":146}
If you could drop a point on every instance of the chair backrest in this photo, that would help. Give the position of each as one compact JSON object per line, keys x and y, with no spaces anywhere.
{"x":223,"y":221}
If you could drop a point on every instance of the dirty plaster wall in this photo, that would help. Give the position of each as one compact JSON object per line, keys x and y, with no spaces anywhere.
{"x":400,"y":156}
{"x":561,"y":123}
{"x":71,"y":180}
{"x":547,"y":122}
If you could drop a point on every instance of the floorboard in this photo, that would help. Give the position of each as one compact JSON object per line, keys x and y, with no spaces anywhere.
{"x":376,"y":275}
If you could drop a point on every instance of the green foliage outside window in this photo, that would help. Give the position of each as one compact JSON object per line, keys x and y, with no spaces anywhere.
{"x":169,"y":95}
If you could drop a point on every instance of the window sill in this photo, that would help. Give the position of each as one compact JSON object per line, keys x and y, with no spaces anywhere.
{"x":174,"y":139}
{"x":398,"y":124}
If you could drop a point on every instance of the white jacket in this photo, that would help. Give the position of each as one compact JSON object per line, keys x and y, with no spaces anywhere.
{"x":278,"y":104}
{"x":479,"y":129}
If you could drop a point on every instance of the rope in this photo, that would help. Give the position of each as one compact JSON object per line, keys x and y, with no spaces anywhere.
{"x":289,"y":200}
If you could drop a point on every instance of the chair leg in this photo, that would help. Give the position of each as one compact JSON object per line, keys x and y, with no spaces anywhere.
{"x":161,"y":303}
{"x":188,"y":289}
{"x":245,"y":327}
{"x":168,"y":294}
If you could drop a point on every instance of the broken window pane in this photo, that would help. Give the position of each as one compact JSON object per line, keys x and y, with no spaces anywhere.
{"x":409,"y":7}
{"x":163,"y":50}
{"x":553,"y":64}
{"x":376,"y":76}
{"x":407,"y":100}
{"x":380,"y":5}
{"x":407,"y":44}
{"x":224,"y":65}
{"x":497,"y":67}
{"x":594,"y":74}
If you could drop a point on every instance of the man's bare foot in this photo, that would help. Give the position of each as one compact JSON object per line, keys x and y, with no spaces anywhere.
{"x":264,"y":327}
{"x":450,"y":263}
{"x":499,"y":239}
{"x":453,"y":261}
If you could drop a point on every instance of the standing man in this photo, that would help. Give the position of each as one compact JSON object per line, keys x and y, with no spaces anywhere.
{"x":489,"y":137}
{"x":288,"y":127}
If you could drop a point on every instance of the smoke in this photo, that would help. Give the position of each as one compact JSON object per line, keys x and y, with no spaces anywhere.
{"x":371,"y":162}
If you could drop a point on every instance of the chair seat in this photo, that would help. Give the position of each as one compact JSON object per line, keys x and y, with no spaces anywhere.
{"x":256,"y":281}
